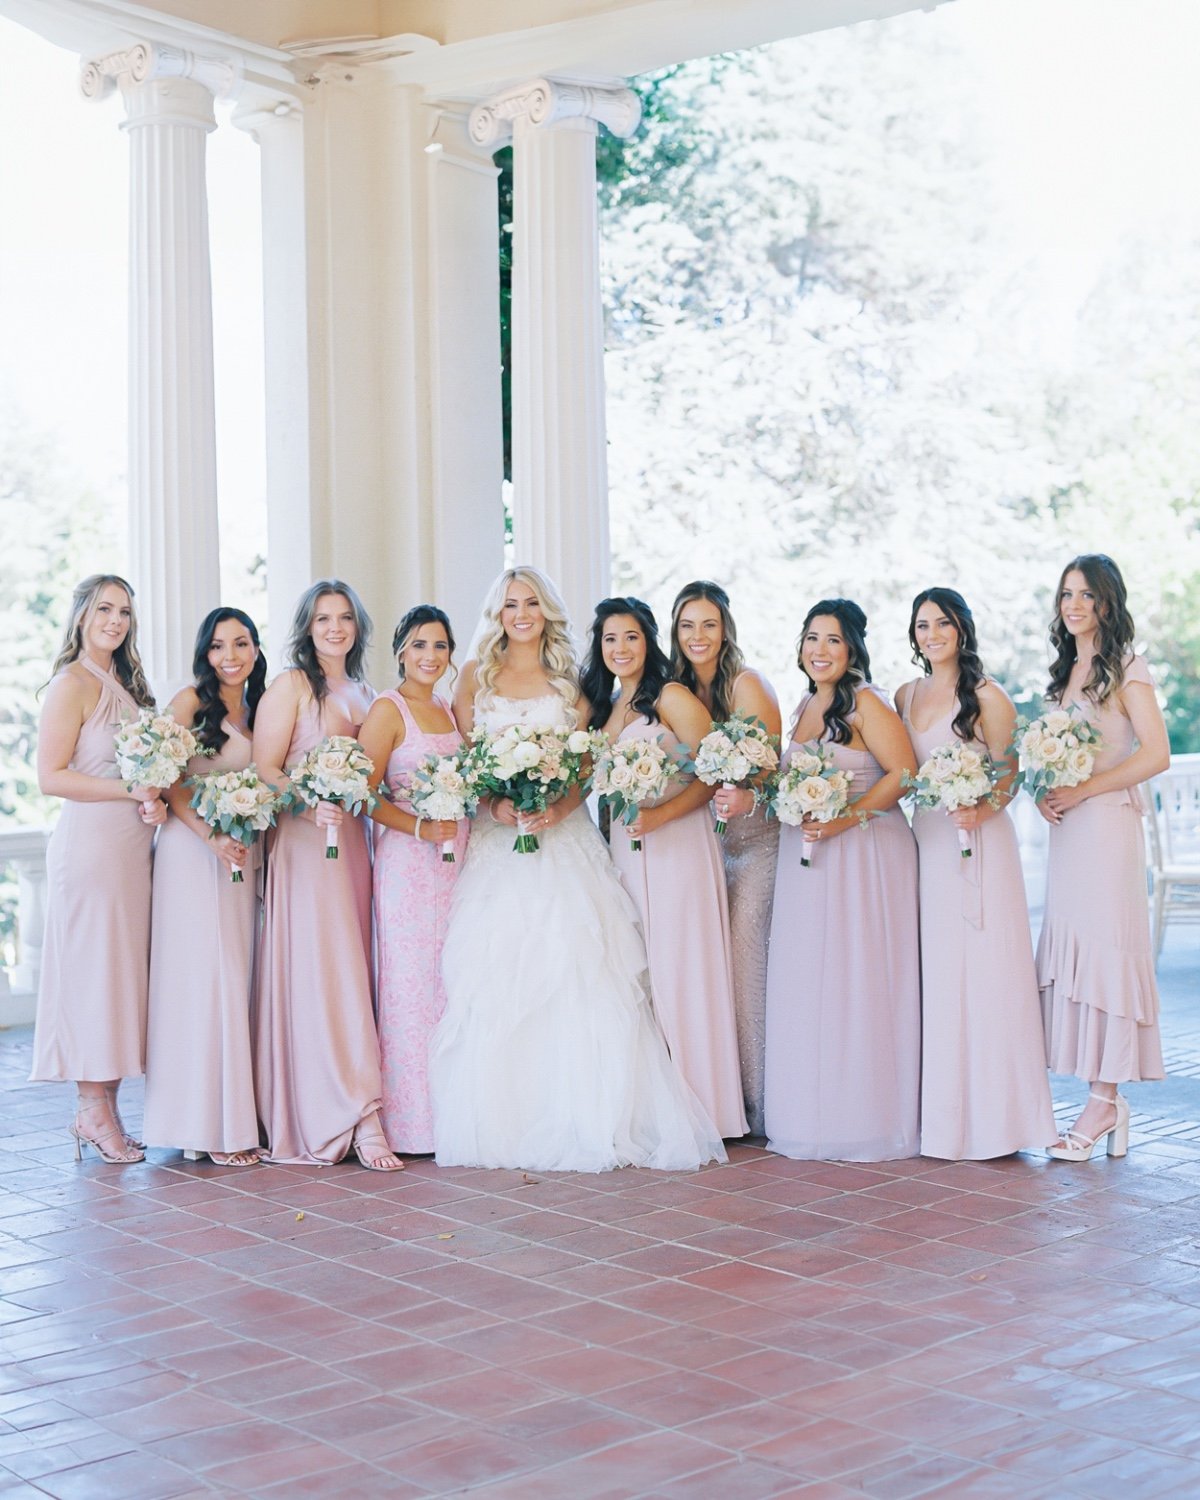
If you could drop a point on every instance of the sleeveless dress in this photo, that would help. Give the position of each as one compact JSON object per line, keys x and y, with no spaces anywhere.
{"x":413,"y":886}
{"x":199,"y":1076}
{"x":1095,"y":964}
{"x":91,"y":1011}
{"x":984,"y":1090}
{"x":677,"y":882}
{"x":843,"y":988}
{"x":751,"y":848}
{"x":316,"y":1055}
{"x":548,"y":1056}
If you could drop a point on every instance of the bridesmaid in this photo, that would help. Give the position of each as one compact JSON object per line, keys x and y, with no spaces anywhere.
{"x":316,"y":1055}
{"x":984,"y":1091}
{"x":413,"y":884}
{"x":91,"y":1016}
{"x":843,"y":978}
{"x":706,"y":659}
{"x":675,"y":880}
{"x":1094,"y":960}
{"x":199,"y":1079}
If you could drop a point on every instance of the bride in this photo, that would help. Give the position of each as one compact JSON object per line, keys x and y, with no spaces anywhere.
{"x":548,"y":1056}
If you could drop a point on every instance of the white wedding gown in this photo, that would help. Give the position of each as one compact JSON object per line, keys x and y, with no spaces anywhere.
{"x":548,"y":1055}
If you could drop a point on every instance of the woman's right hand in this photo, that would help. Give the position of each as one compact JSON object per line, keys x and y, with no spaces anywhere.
{"x":1047,"y":812}
{"x":145,"y":794}
{"x":503,"y":811}
{"x":326,"y":815}
{"x":438,"y":830}
{"x":231,"y":854}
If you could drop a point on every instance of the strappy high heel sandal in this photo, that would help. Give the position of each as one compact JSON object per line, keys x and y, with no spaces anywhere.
{"x":372,"y":1149}
{"x":128,"y":1154}
{"x":1078,"y":1147}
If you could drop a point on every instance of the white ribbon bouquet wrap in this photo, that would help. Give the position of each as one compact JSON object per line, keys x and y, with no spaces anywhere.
{"x":153,"y":748}
{"x":954,"y":776}
{"x":811,"y":786}
{"x":238,"y":803}
{"x":338,"y":770}
{"x":735,"y":754}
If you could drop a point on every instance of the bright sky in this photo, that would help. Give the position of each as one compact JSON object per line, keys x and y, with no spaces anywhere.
{"x":1091,"y":106}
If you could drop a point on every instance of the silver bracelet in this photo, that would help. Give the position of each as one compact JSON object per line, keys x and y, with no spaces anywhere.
{"x":417,"y":829}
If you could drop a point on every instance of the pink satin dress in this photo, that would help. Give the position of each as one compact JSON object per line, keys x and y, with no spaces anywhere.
{"x":1095,"y":965}
{"x":91,"y":1015}
{"x":984,"y":1090}
{"x":199,"y":1075}
{"x":316,"y":1054}
{"x":677,"y":881}
{"x":413,"y":887}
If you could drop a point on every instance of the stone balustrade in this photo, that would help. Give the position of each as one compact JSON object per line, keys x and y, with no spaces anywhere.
{"x":24,"y":849}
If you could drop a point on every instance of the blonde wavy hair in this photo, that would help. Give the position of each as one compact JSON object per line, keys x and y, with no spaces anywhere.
{"x":126,"y":662}
{"x":555,"y":649}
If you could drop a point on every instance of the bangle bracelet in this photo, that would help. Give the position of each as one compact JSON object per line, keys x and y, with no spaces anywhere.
{"x":417,"y":829}
{"x":492,"y":810}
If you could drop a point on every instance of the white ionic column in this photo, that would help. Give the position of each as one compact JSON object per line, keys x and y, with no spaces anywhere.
{"x":560,"y":472}
{"x":174,"y":550}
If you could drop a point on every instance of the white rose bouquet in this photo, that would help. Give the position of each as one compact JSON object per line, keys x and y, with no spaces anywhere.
{"x":238,"y":803}
{"x":1057,"y":749}
{"x":954,"y":776}
{"x":153,"y":749}
{"x":632,"y":773}
{"x":734,"y":754}
{"x":811,"y":786}
{"x":337,"y":770}
{"x":532,"y":766}
{"x":445,"y":787}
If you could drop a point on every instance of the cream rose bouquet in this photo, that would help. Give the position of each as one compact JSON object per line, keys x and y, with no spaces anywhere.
{"x":532,"y":766}
{"x":734,"y":754}
{"x":153,"y":748}
{"x":632,"y":773}
{"x":954,"y":776}
{"x":238,"y":803}
{"x":1058,"y":748}
{"x":811,"y":786}
{"x":445,"y":787}
{"x":337,"y":770}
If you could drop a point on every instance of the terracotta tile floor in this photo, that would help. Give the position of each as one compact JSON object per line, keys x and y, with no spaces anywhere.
{"x":767,"y":1329}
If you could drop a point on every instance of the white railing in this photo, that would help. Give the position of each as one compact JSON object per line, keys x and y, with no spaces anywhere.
{"x":24,"y":850}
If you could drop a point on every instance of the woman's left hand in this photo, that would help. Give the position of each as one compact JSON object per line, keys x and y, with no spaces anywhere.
{"x":647,"y":820}
{"x":736,"y":802}
{"x":816,"y":833}
{"x":1061,"y":799}
{"x":538,"y":822}
{"x":970,"y":818}
{"x":153,"y":812}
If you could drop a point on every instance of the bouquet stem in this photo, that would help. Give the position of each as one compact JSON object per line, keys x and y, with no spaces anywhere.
{"x":526,"y":842}
{"x":331,"y":842}
{"x":236,"y":878}
{"x":448,"y":853}
{"x":964,"y":844}
{"x":635,"y":845}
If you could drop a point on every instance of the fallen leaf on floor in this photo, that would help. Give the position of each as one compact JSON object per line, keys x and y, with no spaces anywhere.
{"x":299,"y":1217}
{"x":445,"y":1236}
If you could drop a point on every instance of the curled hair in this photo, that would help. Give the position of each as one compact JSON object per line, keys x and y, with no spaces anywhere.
{"x":730,"y":660}
{"x":853,"y":624}
{"x":555,"y":650}
{"x":300,"y":649}
{"x":971,"y":675}
{"x":1114,"y":632}
{"x":207,"y":726}
{"x":598,"y":678}
{"x":127,"y":664}
{"x":418,"y":615}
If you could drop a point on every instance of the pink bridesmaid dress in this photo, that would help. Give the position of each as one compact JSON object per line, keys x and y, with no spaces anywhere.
{"x":413,"y":886}
{"x":316,"y":1055}
{"x":984,"y":1090}
{"x":91,"y":1015}
{"x":1095,"y":966}
{"x":843,"y":1051}
{"x":677,"y":881}
{"x":199,"y":1076}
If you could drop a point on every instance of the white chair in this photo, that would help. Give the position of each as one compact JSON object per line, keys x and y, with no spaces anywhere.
{"x":1172,"y":813}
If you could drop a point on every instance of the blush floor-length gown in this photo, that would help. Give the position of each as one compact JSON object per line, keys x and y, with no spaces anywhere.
{"x":548,"y":1056}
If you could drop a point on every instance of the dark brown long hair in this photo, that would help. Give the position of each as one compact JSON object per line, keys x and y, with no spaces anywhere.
{"x":730,"y":660}
{"x":597,"y":680}
{"x":300,"y":649}
{"x":970,"y":668}
{"x":1114,"y":633}
{"x":853,"y":623}
{"x":210,"y":712}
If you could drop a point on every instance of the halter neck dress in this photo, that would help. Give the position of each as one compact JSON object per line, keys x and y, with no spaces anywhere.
{"x":984,"y":1091}
{"x":199,"y":1075}
{"x":412,"y":890}
{"x":844,"y":986}
{"x":91,"y":1014}
{"x":316,"y":1054}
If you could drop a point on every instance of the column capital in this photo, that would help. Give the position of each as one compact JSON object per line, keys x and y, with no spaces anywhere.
{"x":550,"y":101}
{"x":148,"y":62}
